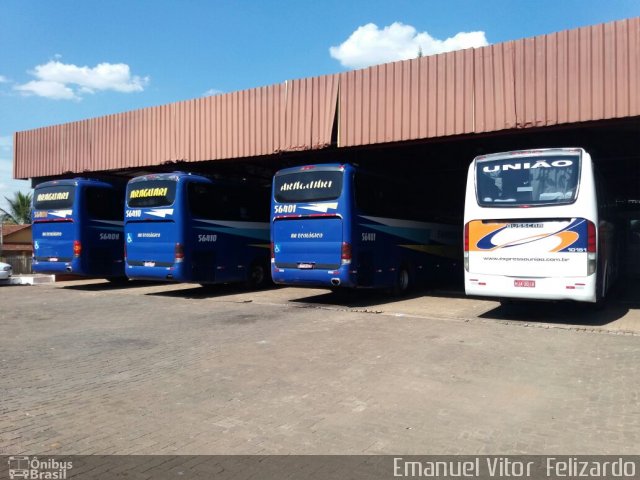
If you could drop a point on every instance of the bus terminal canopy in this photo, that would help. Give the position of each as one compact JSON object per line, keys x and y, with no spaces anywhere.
{"x":581,"y":75}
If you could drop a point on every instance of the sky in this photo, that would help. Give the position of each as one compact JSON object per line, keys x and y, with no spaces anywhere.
{"x":67,"y":60}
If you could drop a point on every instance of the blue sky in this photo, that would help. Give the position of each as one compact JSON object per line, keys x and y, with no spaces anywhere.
{"x":66,"y":60}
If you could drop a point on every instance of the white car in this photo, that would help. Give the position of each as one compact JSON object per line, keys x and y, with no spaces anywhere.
{"x":5,"y":271}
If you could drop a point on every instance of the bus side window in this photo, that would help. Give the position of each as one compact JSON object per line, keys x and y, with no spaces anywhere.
{"x":217,"y":202}
{"x":369,"y":194}
{"x":102,"y":204}
{"x":229,"y":202}
{"x":202,"y":200}
{"x":386,"y":197}
{"x":254,"y":204}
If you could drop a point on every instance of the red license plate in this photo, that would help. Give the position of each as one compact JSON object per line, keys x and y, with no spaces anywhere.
{"x":524,"y":283}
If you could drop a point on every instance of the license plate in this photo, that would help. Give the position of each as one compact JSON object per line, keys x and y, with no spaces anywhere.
{"x":53,"y":259}
{"x":149,"y":264}
{"x":305,"y":266}
{"x":524,"y":283}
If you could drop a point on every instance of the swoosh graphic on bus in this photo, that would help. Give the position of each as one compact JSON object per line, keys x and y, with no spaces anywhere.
{"x":160,"y":212}
{"x":568,"y":236}
{"x":395,"y":222}
{"x":110,"y":229}
{"x":60,"y":213}
{"x":447,"y":251}
{"x":485,"y":242}
{"x":258,"y":234}
{"x":233,"y":224}
{"x":110,"y":222}
{"x":320,"y":207}
{"x":419,"y":232}
{"x":412,"y":234}
{"x":260,"y":245}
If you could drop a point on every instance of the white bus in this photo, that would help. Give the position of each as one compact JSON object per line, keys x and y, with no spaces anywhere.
{"x":537,"y":225}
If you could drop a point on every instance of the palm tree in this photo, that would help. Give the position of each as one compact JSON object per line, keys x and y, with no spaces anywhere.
{"x":19,"y":211}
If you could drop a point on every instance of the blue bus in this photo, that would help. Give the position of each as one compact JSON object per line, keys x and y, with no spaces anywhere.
{"x":182,"y":227}
{"x":78,"y":228}
{"x":342,"y":226}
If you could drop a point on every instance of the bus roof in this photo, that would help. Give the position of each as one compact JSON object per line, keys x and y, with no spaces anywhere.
{"x":75,"y":182}
{"x":177,"y":176}
{"x":318,"y":167}
{"x":531,"y":153}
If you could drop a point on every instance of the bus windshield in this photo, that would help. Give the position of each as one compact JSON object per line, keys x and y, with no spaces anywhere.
{"x":308,"y":186}
{"x":54,"y":198}
{"x":517,"y":181}
{"x":151,"y":193}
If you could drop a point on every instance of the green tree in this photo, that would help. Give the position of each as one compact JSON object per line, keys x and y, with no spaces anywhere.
{"x":19,"y":211}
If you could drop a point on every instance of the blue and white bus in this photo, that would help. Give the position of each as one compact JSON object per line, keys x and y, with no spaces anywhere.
{"x":78,"y":228}
{"x":188,"y":228}
{"x":538,"y":225}
{"x":342,"y":226}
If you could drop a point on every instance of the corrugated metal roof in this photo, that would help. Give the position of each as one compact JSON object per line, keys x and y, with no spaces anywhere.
{"x":587,"y":74}
{"x":590,"y":73}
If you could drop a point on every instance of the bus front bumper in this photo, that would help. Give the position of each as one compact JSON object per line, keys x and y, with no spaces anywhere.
{"x":579,"y":289}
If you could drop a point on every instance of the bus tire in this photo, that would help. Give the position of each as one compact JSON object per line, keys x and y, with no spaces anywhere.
{"x":402,"y":283}
{"x":257,"y":277}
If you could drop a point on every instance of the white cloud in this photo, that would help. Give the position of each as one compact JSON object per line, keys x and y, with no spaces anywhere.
{"x":370,"y":45}
{"x":62,"y":81}
{"x":212,"y":91}
{"x":44,"y":88}
{"x":3,"y":79}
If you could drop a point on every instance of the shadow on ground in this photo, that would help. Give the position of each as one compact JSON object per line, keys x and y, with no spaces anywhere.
{"x":200,"y":292}
{"x":106,"y":285}
{"x":349,"y":298}
{"x":621,"y":299}
{"x":558,"y":313}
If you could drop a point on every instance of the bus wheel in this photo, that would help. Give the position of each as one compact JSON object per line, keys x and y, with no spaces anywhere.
{"x":257,"y":277}
{"x":403,"y":282}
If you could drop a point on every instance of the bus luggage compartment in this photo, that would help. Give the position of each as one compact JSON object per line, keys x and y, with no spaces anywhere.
{"x":308,"y":243}
{"x":151,"y":244}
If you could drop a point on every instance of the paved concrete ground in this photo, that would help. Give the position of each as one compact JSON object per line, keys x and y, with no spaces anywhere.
{"x":88,"y":368}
